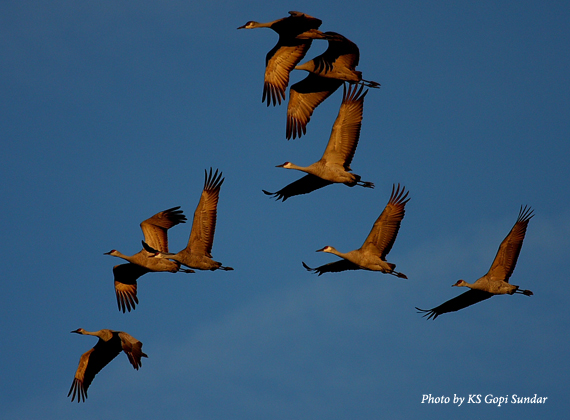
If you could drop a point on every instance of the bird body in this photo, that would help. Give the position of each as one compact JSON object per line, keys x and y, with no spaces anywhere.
{"x":109,"y":345}
{"x":339,"y":61}
{"x":198,"y":252}
{"x":372,"y":254}
{"x":334,"y":165}
{"x":286,"y":54}
{"x":496,"y":280}
{"x":155,"y":234}
{"x":326,"y":73}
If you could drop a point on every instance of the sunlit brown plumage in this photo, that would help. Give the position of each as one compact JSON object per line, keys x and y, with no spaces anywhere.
{"x":496,"y":281}
{"x":372,"y":254}
{"x":108,"y":346}
{"x":286,"y":54}
{"x":334,"y":165}
{"x":326,"y":74}
{"x":198,"y":252}
{"x":155,"y":234}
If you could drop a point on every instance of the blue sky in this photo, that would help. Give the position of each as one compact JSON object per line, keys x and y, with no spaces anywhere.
{"x":111,"y":111}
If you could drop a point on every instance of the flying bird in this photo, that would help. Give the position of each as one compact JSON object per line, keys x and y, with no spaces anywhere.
{"x":155,"y":234}
{"x":326,"y":73}
{"x":198,"y":252}
{"x":286,"y":54}
{"x":108,"y":347}
{"x":372,"y":254}
{"x":496,"y":281}
{"x":334,"y":166}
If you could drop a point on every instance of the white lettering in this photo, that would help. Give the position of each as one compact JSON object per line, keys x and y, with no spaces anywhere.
{"x":458,"y":400}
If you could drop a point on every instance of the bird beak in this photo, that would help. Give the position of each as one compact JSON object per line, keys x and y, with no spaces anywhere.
{"x":75,"y":331}
{"x":320,"y":250}
{"x":107,"y":253}
{"x":241,"y":27}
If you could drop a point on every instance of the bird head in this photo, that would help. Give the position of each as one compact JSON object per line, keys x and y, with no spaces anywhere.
{"x":325,"y":249}
{"x":285,"y":165}
{"x":250,"y":24}
{"x":78,"y":331}
{"x":460,"y":283}
{"x":111,"y":252}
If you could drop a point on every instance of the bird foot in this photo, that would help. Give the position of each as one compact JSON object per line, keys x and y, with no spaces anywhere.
{"x":400,"y":275}
{"x":226,"y":268}
{"x":185,"y":270}
{"x":365,"y":184}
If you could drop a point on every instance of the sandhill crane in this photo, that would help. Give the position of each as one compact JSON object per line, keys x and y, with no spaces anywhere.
{"x":155,"y":233}
{"x":334,"y":166}
{"x":108,"y":347}
{"x":198,"y":252}
{"x":496,"y":281}
{"x":372,"y":254}
{"x":326,"y":74}
{"x":286,"y":54}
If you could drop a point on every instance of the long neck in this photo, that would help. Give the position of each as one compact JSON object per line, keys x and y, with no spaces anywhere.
{"x":307,"y":169}
{"x":334,"y":251}
{"x":104,"y":335}
{"x":129,"y":258}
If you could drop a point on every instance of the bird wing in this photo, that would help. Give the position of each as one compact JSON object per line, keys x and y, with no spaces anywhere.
{"x":90,"y":364}
{"x":341,"y":53}
{"x":302,"y":186}
{"x":333,"y":267}
{"x":464,"y":300}
{"x":346,"y":128}
{"x":155,"y":228}
{"x":132,"y":348}
{"x":204,"y":224}
{"x":508,"y":253}
{"x":126,"y":276}
{"x":278,"y":64}
{"x":385,"y":229}
{"x":304,"y":97}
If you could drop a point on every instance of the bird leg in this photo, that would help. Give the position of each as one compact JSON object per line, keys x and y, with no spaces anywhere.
{"x":221,"y":267}
{"x":369,"y":83}
{"x":185,"y":270}
{"x":397,"y":274}
{"x":365,"y":184}
{"x":524,"y":292}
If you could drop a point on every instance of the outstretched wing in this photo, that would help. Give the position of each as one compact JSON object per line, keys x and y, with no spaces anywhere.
{"x":155,"y":228}
{"x":90,"y":364}
{"x":346,"y":128}
{"x":333,"y":267}
{"x":279,"y":63}
{"x":304,"y":97}
{"x":204,"y":224}
{"x":508,"y":253}
{"x":132,"y":348}
{"x":126,"y":276}
{"x":303,"y":185}
{"x":386,"y":227}
{"x":464,"y":300}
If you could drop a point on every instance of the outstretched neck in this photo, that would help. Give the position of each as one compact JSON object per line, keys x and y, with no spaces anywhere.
{"x":104,"y":334}
{"x":289,"y":165}
{"x":115,"y":253}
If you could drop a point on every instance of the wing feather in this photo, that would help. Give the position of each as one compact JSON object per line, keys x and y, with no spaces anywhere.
{"x":155,"y":228}
{"x":346,"y":128}
{"x":204,"y":224}
{"x":303,"y":185}
{"x":386,"y":227}
{"x":509,"y":250}
{"x":304,"y":97}
{"x":464,"y":300}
